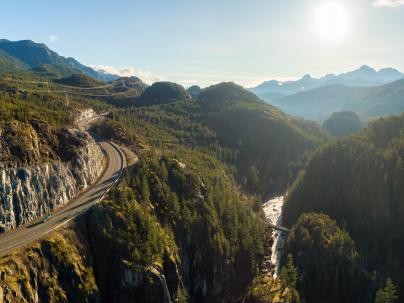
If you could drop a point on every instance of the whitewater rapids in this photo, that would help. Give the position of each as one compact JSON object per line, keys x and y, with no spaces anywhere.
{"x":273,"y":213}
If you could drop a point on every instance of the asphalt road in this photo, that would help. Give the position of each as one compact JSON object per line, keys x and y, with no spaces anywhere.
{"x":31,"y":232}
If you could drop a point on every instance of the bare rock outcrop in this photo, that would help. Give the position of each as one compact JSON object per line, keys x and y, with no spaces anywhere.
{"x":31,"y":191}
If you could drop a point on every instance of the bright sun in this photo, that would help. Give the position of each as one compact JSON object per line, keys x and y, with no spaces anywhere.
{"x":332,"y":22}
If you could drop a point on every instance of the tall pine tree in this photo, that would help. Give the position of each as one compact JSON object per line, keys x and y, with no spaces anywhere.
{"x":387,"y":294}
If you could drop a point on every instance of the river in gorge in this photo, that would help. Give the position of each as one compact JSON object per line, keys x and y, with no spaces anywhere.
{"x":273,"y":213}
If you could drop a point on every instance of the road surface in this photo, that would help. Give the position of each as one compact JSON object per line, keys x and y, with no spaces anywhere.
{"x":31,"y":232}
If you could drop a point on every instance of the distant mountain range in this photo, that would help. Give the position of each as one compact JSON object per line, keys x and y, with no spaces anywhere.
{"x":368,"y":102}
{"x":365,"y":91}
{"x":25,"y":54}
{"x":364,"y":76}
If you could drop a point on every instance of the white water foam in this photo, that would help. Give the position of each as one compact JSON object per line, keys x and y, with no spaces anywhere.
{"x":273,"y":213}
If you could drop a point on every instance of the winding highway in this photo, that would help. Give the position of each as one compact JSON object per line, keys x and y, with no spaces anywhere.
{"x":31,"y":232}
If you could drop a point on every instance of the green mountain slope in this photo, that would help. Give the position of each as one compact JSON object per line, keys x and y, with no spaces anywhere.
{"x":270,"y":146}
{"x":31,"y":53}
{"x":182,"y":213}
{"x":343,"y":123}
{"x":161,"y":93}
{"x":79,"y":80}
{"x":9,"y":65}
{"x":265,"y":146}
{"x":36,"y":54}
{"x":325,"y":257}
{"x":52,"y":71}
{"x":357,"y":181}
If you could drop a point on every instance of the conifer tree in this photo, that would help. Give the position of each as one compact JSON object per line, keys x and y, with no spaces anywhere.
{"x":388,"y":294}
{"x":289,"y":273}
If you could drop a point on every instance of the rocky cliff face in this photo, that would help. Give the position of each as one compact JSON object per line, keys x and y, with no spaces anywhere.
{"x":28,"y":192}
{"x":83,"y":117}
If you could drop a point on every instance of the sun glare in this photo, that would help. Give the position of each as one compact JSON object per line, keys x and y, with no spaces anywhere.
{"x":332,"y":22}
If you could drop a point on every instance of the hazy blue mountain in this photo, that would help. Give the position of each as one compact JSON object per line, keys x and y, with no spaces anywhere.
{"x":271,"y":97}
{"x":364,"y":76}
{"x":285,"y":88}
{"x":368,"y":102}
{"x":343,"y":123}
{"x":194,"y":91}
{"x":38,"y":54}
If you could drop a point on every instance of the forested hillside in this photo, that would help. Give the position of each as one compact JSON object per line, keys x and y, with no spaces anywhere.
{"x":181,"y":214}
{"x":185,"y":216}
{"x":270,"y":146}
{"x":79,"y":80}
{"x":137,"y":167}
{"x":264,"y":147}
{"x":343,"y":123}
{"x":22,"y":100}
{"x":357,"y":181}
{"x":10,"y":65}
{"x":33,"y":55}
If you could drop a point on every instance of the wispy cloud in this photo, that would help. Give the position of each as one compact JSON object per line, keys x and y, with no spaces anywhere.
{"x":188,"y":83}
{"x":147,"y":76}
{"x":388,"y":3}
{"x":53,"y":38}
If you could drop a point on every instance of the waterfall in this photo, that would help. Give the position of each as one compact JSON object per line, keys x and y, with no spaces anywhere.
{"x":273,"y":213}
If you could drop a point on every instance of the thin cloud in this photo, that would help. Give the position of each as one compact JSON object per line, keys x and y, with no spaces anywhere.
{"x":147,"y":76}
{"x":188,"y":83}
{"x":53,"y":38}
{"x":388,"y":3}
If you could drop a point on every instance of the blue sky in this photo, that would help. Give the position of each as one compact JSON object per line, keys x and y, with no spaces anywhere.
{"x":208,"y":41}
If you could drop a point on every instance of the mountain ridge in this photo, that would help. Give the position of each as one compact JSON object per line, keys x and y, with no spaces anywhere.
{"x":34,"y":54}
{"x":368,"y":102}
{"x":364,"y":76}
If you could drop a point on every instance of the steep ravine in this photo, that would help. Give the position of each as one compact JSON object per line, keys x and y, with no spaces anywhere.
{"x":29,"y":192}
